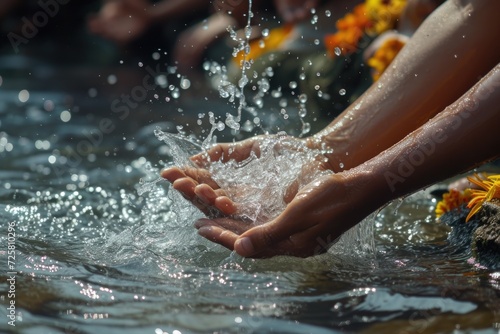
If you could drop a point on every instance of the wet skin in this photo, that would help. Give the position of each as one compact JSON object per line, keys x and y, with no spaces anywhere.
{"x":330,"y":205}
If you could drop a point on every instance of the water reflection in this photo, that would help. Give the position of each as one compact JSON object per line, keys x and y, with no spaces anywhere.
{"x":95,"y":256}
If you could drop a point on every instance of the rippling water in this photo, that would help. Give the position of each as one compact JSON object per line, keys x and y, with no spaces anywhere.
{"x":95,"y":257}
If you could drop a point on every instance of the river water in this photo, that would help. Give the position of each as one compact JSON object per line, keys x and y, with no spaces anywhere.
{"x":94,"y":256}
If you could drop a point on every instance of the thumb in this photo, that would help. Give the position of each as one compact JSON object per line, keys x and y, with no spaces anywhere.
{"x":264,"y":238}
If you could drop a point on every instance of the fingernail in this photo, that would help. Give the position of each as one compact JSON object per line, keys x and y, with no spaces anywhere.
{"x":201,"y":222}
{"x":245,"y":244}
{"x":205,"y":231}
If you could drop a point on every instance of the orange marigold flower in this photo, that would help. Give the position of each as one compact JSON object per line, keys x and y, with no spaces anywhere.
{"x":350,"y":28}
{"x":276,"y":38}
{"x":384,"y":56}
{"x":452,"y":200}
{"x":372,"y":17}
{"x":489,"y":189}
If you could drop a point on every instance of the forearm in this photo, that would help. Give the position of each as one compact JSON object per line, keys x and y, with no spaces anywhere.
{"x":445,"y":57}
{"x":459,"y":138}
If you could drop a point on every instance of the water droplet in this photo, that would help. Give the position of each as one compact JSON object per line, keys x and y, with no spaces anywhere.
{"x":302,"y":76}
{"x":303,"y":98}
{"x":341,"y":165}
{"x":328,"y":13}
{"x":185,"y":83}
{"x":65,"y":116}
{"x":141,"y":64}
{"x":92,"y":92}
{"x":293,"y":84}
{"x":306,"y":128}
{"x":112,"y":79}
{"x":265,"y":32}
{"x":302,"y":112}
{"x":221,"y":126}
{"x":342,"y":92}
{"x":337,"y":51}
{"x":24,"y":96}
{"x":316,"y":42}
{"x":248,"y":31}
{"x":161,"y":81}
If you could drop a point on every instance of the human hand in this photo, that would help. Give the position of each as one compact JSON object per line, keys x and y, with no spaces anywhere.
{"x":318,"y":214}
{"x":263,"y":169}
{"x":121,"y":21}
{"x":293,"y":11}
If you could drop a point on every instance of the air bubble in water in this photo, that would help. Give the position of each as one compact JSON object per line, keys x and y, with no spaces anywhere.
{"x":293,"y":84}
{"x":337,"y":51}
{"x":328,"y":13}
{"x":342,"y":92}
{"x":265,"y":32}
{"x":303,"y":98}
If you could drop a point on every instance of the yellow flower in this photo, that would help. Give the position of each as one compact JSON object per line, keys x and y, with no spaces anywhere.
{"x":276,"y":38}
{"x":372,"y":17}
{"x":451,"y":200}
{"x":384,"y":56}
{"x":490,"y":189}
{"x":384,"y":13}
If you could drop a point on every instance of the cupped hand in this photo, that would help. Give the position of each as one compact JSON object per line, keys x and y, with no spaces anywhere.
{"x":318,"y":214}
{"x":197,"y":185}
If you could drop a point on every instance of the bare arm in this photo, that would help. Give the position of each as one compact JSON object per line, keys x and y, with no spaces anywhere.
{"x":173,"y":9}
{"x":458,"y":138}
{"x":451,"y":50}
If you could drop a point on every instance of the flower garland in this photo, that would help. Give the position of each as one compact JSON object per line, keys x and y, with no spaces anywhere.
{"x":371,"y":17}
{"x":384,"y":56}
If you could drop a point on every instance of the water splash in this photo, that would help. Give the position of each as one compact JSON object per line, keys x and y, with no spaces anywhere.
{"x":259,"y":183}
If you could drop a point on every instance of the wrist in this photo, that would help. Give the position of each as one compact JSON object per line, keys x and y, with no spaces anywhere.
{"x":368,"y":187}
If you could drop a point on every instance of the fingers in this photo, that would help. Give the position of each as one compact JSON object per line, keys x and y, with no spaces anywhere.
{"x":225,"y":152}
{"x":264,"y":238}
{"x":197,"y":174}
{"x":197,"y":186}
{"x":215,"y":198}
